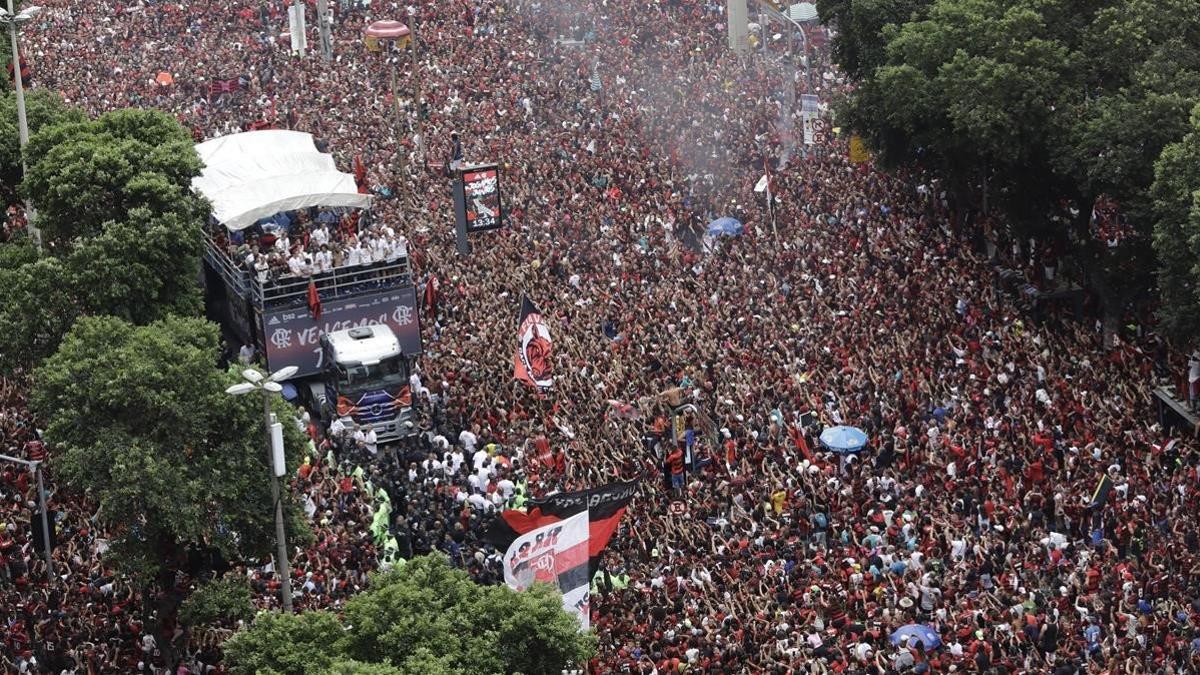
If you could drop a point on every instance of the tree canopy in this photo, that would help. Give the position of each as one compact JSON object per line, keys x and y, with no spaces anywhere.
{"x":1039,"y":107}
{"x":43,"y":108}
{"x":124,"y":232}
{"x":142,"y":425}
{"x":1176,"y":194}
{"x":85,"y":175}
{"x":424,"y":617}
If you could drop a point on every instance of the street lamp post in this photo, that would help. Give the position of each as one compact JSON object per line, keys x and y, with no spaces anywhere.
{"x":13,"y":20}
{"x":254,"y":381}
{"x":417,"y":80}
{"x":36,"y":467}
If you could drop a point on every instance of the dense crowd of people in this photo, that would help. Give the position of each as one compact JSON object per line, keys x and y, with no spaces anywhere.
{"x":858,"y":298}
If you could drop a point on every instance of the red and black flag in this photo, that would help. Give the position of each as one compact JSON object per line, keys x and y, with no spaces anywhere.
{"x":226,"y":86}
{"x":431,"y":295}
{"x":531,"y":363}
{"x":605,"y":506}
{"x":314,"y":300}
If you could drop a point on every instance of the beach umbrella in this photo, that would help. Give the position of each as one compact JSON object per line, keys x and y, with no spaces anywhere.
{"x":843,"y":439}
{"x":919,"y":632}
{"x":802,"y":11}
{"x":725,"y":227}
{"x":387,"y":30}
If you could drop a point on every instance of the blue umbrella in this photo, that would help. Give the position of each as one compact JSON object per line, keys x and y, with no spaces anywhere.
{"x":726,"y":227}
{"x":844,"y":440}
{"x":289,"y":392}
{"x":926,"y":635}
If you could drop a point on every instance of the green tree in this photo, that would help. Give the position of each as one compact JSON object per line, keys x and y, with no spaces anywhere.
{"x":34,"y":310}
{"x":359,"y":668}
{"x":858,"y":46}
{"x":43,"y":108}
{"x":226,"y":599}
{"x":279,"y":644}
{"x":142,"y":426}
{"x":427,"y":617}
{"x":124,"y":231}
{"x":140,"y":269}
{"x":86,"y":174}
{"x":1176,"y":194}
{"x":1023,"y":105}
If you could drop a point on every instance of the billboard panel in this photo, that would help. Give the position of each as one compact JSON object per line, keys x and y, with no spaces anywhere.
{"x":481,"y":188}
{"x":293,"y":338}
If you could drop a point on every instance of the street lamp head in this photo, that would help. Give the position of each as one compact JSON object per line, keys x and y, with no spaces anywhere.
{"x":21,"y":17}
{"x":240,"y":388}
{"x":273,"y":387}
{"x":252,"y":375}
{"x":284,"y":373}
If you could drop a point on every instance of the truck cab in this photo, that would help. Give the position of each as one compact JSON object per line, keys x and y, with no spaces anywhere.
{"x":366,"y":381}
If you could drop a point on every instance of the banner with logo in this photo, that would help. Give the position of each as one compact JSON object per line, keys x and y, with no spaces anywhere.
{"x":604,"y":505}
{"x":292,"y":337}
{"x":531,"y":363}
{"x":556,"y":553}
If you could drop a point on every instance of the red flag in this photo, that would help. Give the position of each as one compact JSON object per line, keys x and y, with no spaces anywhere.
{"x":431,"y":295}
{"x":314,"y":300}
{"x":360,"y":175}
{"x":800,"y":442}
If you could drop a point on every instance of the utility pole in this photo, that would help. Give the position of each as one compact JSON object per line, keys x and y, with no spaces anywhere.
{"x":36,"y":467}
{"x":324,"y":29}
{"x":281,"y":563}
{"x":397,"y":127}
{"x":254,"y":380}
{"x":22,"y":122}
{"x":417,"y":82}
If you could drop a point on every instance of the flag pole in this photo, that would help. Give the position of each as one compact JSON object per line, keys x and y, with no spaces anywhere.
{"x":770,"y":203}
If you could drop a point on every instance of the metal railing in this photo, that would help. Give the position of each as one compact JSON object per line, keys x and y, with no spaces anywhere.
{"x":293,"y":290}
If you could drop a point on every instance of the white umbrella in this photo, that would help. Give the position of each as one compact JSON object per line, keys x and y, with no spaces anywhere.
{"x":802,"y":11}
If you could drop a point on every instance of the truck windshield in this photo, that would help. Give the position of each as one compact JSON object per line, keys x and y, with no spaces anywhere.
{"x":386,"y":374}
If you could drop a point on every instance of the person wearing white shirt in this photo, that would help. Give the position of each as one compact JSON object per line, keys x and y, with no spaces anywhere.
{"x":354,"y":254}
{"x":485,"y":475}
{"x":297,"y":265}
{"x":380,"y":251}
{"x":324,"y":260}
{"x":398,"y":249}
{"x":468,"y":440}
{"x":371,"y":441}
{"x":478,"y":459}
{"x":432,"y":464}
{"x":506,"y":487}
{"x":262,"y":268}
{"x":480,"y":503}
{"x":454,"y":461}
{"x":319,"y":235}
